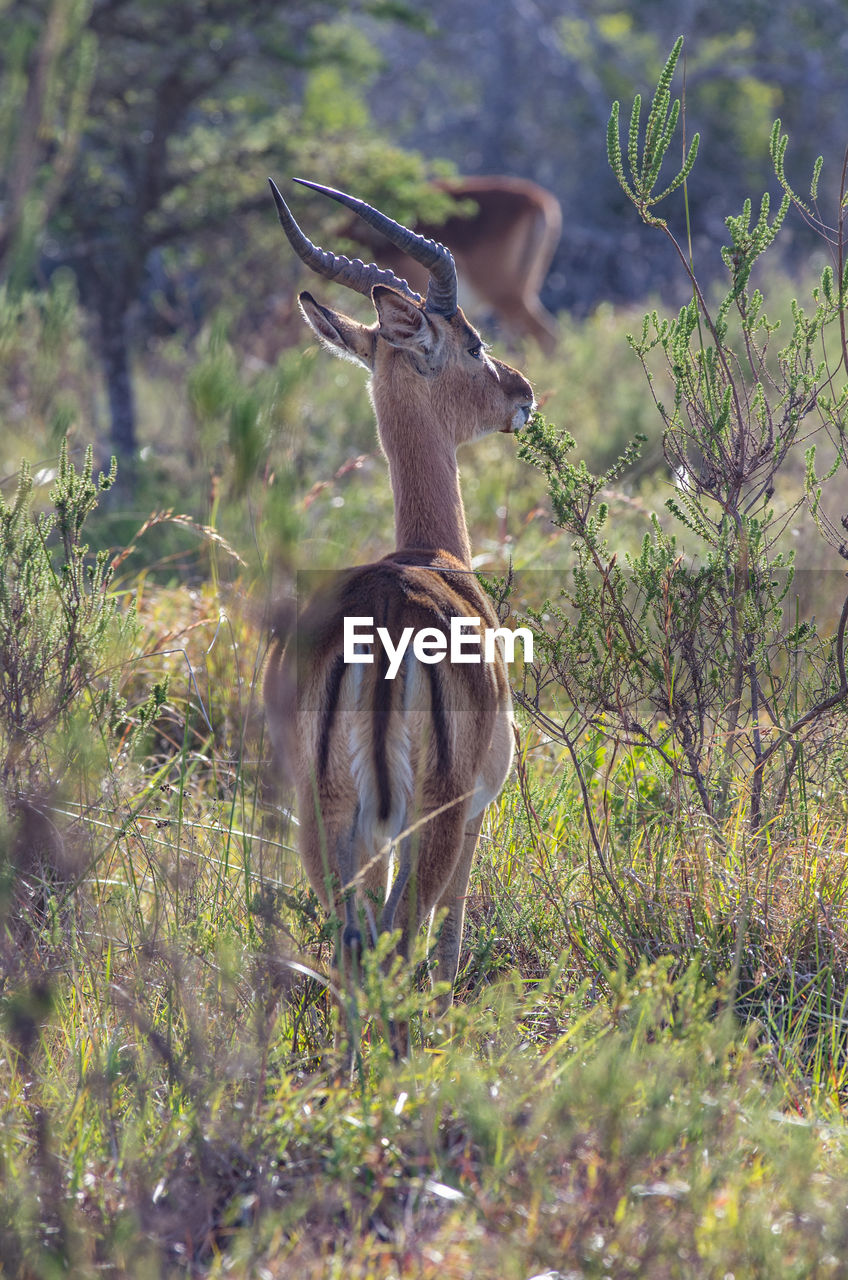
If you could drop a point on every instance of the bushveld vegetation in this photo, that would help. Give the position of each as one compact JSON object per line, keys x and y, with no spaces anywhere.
{"x":646,"y":1070}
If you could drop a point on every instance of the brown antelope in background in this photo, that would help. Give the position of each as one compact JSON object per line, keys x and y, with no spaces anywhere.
{"x":416,"y":759}
{"x":502,"y":251}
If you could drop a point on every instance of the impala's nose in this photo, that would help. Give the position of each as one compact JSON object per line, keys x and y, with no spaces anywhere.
{"x":520,"y":418}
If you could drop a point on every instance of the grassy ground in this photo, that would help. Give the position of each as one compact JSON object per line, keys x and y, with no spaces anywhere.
{"x":645,"y":1072}
{"x":643,"y":1077}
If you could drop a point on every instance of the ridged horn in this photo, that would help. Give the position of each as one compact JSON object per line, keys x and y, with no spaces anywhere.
{"x":442,"y":289}
{"x":355,"y":274}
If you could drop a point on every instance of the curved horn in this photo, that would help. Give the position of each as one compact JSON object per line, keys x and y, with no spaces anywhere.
{"x":355,"y":274}
{"x":437,"y":258}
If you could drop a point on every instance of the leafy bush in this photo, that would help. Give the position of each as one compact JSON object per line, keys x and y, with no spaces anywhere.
{"x":64,"y":635}
{"x":46,"y":384}
{"x":699,"y":652}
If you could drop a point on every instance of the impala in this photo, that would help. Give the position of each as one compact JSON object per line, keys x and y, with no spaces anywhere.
{"x":502,"y":250}
{"x":409,"y":764}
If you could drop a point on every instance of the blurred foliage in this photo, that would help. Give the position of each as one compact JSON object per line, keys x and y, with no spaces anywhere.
{"x":47,"y":60}
{"x":147,"y":132}
{"x":47,"y":387}
{"x":63,"y":634}
{"x":526,"y":91}
{"x":135,"y":138}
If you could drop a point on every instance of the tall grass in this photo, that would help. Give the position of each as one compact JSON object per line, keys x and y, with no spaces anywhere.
{"x":644,"y":1074}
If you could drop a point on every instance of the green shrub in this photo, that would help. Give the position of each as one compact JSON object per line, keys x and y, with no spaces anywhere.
{"x":698,"y":648}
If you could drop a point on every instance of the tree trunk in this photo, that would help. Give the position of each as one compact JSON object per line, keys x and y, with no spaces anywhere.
{"x":115,"y":357}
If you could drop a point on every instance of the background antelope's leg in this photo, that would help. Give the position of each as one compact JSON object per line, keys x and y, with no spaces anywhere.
{"x":453,"y":897}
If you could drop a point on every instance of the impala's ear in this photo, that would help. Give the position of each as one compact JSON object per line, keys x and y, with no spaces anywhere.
{"x":403,"y":323}
{"x":345,"y":337}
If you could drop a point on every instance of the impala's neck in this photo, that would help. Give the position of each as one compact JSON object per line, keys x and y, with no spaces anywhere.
{"x":425,"y":482}
{"x":428,"y":502}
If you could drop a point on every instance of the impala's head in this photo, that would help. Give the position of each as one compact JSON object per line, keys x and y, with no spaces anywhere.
{"x":422,"y":353}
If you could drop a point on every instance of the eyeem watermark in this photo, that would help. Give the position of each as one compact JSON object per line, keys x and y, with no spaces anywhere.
{"x":431,"y":645}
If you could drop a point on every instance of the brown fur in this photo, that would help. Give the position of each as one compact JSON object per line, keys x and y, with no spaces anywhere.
{"x":370,"y":757}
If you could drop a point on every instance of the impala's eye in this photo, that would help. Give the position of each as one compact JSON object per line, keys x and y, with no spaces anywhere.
{"x":476,"y":351}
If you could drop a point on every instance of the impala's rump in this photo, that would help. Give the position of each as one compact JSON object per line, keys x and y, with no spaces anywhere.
{"x":388,"y":740}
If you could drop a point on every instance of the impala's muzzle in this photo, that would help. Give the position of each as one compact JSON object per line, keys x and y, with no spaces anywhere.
{"x":519,"y":419}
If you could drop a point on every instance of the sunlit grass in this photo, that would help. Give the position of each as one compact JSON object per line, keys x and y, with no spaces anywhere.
{"x":647,"y":1072}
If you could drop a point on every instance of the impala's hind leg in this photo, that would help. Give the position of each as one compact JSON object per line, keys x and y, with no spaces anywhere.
{"x":329,"y":849}
{"x":434,"y":850}
{"x":321,"y":836}
{"x":424,"y":864}
{"x":403,"y":871}
{"x":454,"y":897}
{"x":347,"y":862}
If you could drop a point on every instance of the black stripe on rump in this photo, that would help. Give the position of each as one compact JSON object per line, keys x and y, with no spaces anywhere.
{"x":331,"y":706}
{"x":444,"y":763}
{"x":383,"y":689}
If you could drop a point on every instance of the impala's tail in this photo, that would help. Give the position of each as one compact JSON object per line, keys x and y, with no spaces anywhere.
{"x":382,"y":747}
{"x":378,"y":726}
